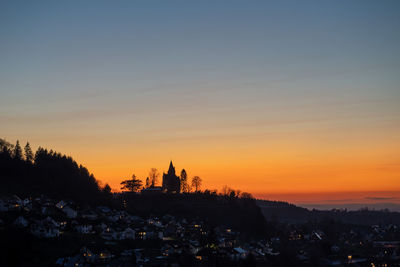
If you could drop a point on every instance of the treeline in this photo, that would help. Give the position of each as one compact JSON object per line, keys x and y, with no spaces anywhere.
{"x":135,"y":185}
{"x":277,"y":211}
{"x":27,"y":173}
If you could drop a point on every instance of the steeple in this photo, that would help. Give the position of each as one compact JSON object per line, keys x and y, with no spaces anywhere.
{"x":171,"y":169}
{"x":171,"y":182}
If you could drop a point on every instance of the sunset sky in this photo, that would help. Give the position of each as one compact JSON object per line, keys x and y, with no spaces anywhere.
{"x":295,"y":100}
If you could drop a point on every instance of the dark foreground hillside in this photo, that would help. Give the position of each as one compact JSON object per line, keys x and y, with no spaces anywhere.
{"x":49,"y":173}
{"x":59,"y":177}
{"x":241,"y":214}
{"x":46,"y":232}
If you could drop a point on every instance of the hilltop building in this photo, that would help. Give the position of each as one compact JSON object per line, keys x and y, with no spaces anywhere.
{"x":171,"y":183}
{"x":152,"y":190}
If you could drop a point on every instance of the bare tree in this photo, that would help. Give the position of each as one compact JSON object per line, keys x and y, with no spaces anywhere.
{"x":184,"y":183}
{"x":196,"y":183}
{"x":153,"y":176}
{"x":225,"y":190}
{"x":238,"y":192}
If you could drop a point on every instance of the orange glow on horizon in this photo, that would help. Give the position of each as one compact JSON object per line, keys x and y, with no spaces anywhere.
{"x":293,"y":163}
{"x":261,"y":104}
{"x":290,"y":169}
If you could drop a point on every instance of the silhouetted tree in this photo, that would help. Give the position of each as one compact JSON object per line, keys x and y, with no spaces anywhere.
{"x":184,"y":184}
{"x":153,"y":176}
{"x":6,"y":148}
{"x":17,"y":151}
{"x":147,"y":182}
{"x":40,"y":152}
{"x":28,"y":153}
{"x":246,"y":195}
{"x":238,"y":191}
{"x":132,"y":185}
{"x":107,"y":189}
{"x":51,"y":174}
{"x":225,"y":190}
{"x":196,"y":183}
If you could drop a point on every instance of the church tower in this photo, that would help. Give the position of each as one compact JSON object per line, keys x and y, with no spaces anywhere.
{"x":171,"y":183}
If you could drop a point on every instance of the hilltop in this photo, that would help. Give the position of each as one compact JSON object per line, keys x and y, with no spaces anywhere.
{"x":60,"y":177}
{"x":49,"y":173}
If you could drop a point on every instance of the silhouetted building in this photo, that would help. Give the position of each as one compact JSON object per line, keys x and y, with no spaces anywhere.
{"x":152,"y":190}
{"x":171,"y":183}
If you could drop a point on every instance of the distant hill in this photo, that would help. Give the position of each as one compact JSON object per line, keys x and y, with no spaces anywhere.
{"x":354,"y":206}
{"x":285,"y":212}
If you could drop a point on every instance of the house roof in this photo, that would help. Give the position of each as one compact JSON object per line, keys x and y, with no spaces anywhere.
{"x":239,"y":250}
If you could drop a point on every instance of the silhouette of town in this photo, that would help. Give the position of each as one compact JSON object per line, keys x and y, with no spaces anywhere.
{"x":200,"y":133}
{"x":53,"y":212}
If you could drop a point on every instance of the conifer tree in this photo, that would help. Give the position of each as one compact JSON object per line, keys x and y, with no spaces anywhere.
{"x":107,"y":189}
{"x":18,"y":151}
{"x":28,"y":153}
{"x":132,"y":185}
